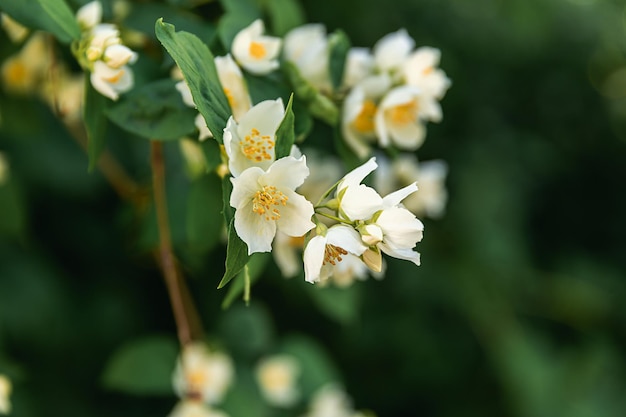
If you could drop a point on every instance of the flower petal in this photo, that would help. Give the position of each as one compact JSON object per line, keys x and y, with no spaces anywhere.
{"x":360,"y":202}
{"x":295,"y":216}
{"x":354,"y":177}
{"x":314,"y":258}
{"x":347,"y":238}
{"x":286,"y":173}
{"x":253,"y":229}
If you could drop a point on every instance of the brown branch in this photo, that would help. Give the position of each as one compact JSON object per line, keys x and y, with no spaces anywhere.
{"x":185,"y":314}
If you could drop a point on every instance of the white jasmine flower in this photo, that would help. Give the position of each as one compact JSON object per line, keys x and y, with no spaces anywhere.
{"x":190,"y":408}
{"x":420,"y":70}
{"x":266,"y":201}
{"x":110,"y":82}
{"x":359,"y":65}
{"x":392,"y":50}
{"x":251,"y":141}
{"x":254,"y":51}
{"x":307,"y":47}
{"x":119,"y":55}
{"x":277,"y":377}
{"x":358,"y":201}
{"x":16,"y":31}
{"x":234,"y":86}
{"x":24,"y":72}
{"x":431,"y":198}
{"x":286,"y":251}
{"x":328,"y":249}
{"x":400,"y":117}
{"x":89,"y":15}
{"x":202,"y":375}
{"x":359,"y":111}
{"x":5,"y":393}
{"x":203,"y":129}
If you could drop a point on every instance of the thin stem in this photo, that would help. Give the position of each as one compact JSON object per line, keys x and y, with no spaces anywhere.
{"x":185,"y":314}
{"x":329,"y":216}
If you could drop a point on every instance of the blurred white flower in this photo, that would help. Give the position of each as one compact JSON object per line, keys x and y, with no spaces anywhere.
{"x":307,"y":47}
{"x":359,"y":110}
{"x":110,"y":82}
{"x":119,"y":55}
{"x":190,"y":408}
{"x":277,"y":377}
{"x":24,"y":72}
{"x":202,"y":375}
{"x":5,"y":393}
{"x":401,"y":116}
{"x":185,"y":93}
{"x":331,"y":401}
{"x":89,"y":15}
{"x":392,"y":50}
{"x":195,"y":161}
{"x":265,"y":201}
{"x":234,"y":86}
{"x":251,"y":141}
{"x":432,"y":196}
{"x":359,"y":65}
{"x":203,"y":130}
{"x":420,"y":70}
{"x":101,"y":37}
{"x":254,"y":51}
{"x":16,"y":31}
{"x":65,"y":94}
{"x":328,"y":249}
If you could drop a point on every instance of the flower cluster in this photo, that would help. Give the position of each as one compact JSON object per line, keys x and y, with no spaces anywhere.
{"x":101,"y":52}
{"x":386,"y":94}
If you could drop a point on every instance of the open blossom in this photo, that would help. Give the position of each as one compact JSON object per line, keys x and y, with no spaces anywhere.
{"x":307,"y":47}
{"x":359,"y":65}
{"x":25,"y":71}
{"x":331,"y":401}
{"x":110,"y":82}
{"x":251,"y":142}
{"x":202,"y":375}
{"x":359,"y":110}
{"x":5,"y":393}
{"x":420,"y":70}
{"x":254,"y":51}
{"x":401,"y":116}
{"x":277,"y":377}
{"x":190,"y":408}
{"x":328,"y":249}
{"x":392,"y":50}
{"x":265,"y":201}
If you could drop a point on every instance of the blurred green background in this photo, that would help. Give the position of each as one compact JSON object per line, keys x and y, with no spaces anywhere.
{"x":517,"y":309}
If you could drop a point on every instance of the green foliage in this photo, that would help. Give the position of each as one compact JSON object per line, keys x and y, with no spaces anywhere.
{"x":204,"y":225}
{"x":285,"y":134}
{"x":339,"y":45}
{"x":236,"y":255}
{"x":196,"y":62}
{"x":248,"y":276}
{"x":95,"y":123}
{"x":52,"y":16}
{"x":142,"y":367}
{"x":318,"y":104}
{"x":340,"y":304}
{"x":284,"y":15}
{"x":155,"y":111}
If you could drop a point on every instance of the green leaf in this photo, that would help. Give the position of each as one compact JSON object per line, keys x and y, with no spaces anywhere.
{"x":143,"y":366}
{"x":227,"y":189}
{"x":52,"y":16}
{"x":204,"y":218}
{"x":285,"y":134}
{"x":339,"y":45}
{"x":212,"y":154}
{"x":95,"y":122}
{"x":284,"y":15}
{"x":196,"y":62}
{"x":236,"y":255}
{"x":247,"y":331}
{"x":340,"y":304}
{"x":317,"y":369}
{"x":155,"y":111}
{"x":254,"y":268}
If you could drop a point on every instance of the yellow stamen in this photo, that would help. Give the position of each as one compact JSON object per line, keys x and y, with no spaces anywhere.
{"x":404,"y":113}
{"x":257,"y":50}
{"x":266,"y":202}
{"x":256,"y":147}
{"x":333,"y":254}
{"x":364,"y":122}
{"x":115,"y":78}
